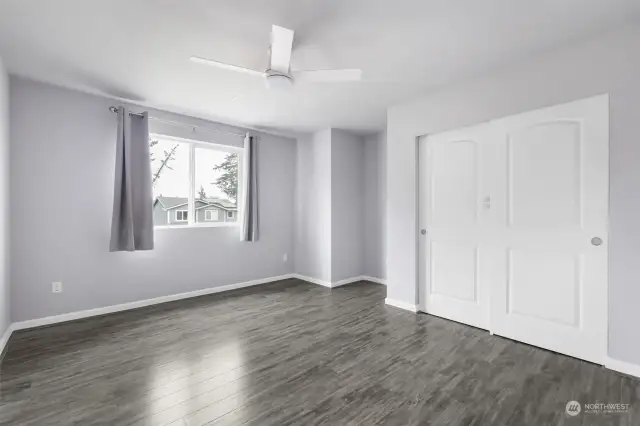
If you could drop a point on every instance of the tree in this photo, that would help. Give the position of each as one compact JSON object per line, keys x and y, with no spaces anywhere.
{"x":168,"y":156}
{"x":227,"y":182}
{"x":201,"y":193}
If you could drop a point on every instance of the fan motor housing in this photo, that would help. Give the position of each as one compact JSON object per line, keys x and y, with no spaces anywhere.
{"x":279,"y":82}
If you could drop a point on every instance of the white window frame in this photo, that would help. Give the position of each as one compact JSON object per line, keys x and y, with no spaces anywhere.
{"x":181,"y":211}
{"x":193,"y":144}
{"x":211,"y":211}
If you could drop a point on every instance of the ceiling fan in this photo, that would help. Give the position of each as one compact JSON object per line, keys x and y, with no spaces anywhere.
{"x":279,"y":75}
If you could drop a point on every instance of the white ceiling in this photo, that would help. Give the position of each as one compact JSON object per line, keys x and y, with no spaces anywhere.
{"x":139,"y":50}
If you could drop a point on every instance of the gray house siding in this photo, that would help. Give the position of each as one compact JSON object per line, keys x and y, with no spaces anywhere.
{"x":168,"y":216}
{"x":159,"y":215}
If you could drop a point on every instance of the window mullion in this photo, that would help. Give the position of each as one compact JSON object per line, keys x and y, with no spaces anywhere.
{"x":192,"y":190}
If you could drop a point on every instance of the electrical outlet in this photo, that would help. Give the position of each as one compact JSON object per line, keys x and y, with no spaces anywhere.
{"x":285,"y":257}
{"x":56,"y":287}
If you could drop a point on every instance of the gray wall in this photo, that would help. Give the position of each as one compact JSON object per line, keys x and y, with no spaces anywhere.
{"x":330,"y":215}
{"x":313,"y":206}
{"x":609,"y":64}
{"x":374,"y":206}
{"x":4,"y":201}
{"x":347,"y":194}
{"x":62,"y":168}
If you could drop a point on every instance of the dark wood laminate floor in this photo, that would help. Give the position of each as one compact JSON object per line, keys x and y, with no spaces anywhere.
{"x":293,"y":353}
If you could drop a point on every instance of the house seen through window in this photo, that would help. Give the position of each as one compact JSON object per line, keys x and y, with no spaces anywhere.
{"x":194,"y":183}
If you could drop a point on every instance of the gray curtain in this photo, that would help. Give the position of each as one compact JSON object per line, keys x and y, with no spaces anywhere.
{"x":132,"y":221}
{"x":249,"y":226}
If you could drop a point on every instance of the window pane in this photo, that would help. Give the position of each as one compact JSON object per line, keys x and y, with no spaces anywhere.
{"x":170,"y":177}
{"x":216,"y":185}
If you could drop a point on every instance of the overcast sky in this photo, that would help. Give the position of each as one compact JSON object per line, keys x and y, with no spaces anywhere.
{"x":175,"y":183}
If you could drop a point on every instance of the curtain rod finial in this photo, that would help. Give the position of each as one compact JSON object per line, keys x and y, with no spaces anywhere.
{"x":113,"y":109}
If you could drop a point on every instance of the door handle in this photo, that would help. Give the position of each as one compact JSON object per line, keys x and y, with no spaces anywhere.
{"x":486,"y":202}
{"x":423,"y":231}
{"x":596,"y":241}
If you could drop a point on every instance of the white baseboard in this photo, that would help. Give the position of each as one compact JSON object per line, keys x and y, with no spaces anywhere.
{"x":402,"y":305}
{"x":5,"y":339}
{"x":375,"y":280}
{"x":312,"y":280}
{"x":55,"y":319}
{"x":333,"y":284}
{"x":38,"y":322}
{"x":623,"y":367}
{"x":346,"y":281}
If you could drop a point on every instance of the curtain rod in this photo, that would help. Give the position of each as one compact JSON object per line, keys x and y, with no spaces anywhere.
{"x":115,"y":110}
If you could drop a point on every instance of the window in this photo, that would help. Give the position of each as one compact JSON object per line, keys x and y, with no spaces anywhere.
{"x":211,"y":215}
{"x":192,"y":181}
{"x":230,"y":214}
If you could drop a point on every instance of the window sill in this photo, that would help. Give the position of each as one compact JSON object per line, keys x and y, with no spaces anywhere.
{"x":198,"y":225}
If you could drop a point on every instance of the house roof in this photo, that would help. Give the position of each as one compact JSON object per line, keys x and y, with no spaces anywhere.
{"x":169,"y":203}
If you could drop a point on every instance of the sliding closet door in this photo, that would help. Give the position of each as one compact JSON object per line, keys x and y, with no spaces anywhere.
{"x":454,"y":212}
{"x":553,"y":292}
{"x":513,"y":221}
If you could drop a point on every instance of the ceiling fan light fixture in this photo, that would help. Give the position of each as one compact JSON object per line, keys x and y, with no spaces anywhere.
{"x":278,"y":82}
{"x":278,"y":75}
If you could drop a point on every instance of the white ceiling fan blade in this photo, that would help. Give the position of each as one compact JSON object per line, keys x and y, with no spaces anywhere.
{"x":281,"y":45}
{"x":222,"y":65}
{"x":328,"y":75}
